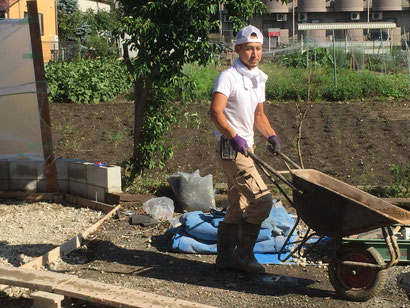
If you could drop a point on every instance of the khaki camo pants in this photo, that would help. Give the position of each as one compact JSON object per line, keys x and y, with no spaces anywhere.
{"x":248,"y":196}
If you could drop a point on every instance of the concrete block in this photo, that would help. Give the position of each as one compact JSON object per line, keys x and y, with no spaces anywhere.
{"x":62,"y":167}
{"x":62,"y":186}
{"x":23,"y":185}
{"x":41,"y":186}
{"x":40,"y":170}
{"x":46,"y":300}
{"x":4,"y":185}
{"x":23,"y":169}
{"x":113,"y":189}
{"x":104,"y":176}
{"x":77,"y":188}
{"x":96,"y":193}
{"x":77,"y":171}
{"x":4,"y":170}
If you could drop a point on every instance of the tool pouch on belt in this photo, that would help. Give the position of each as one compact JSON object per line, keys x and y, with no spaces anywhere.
{"x":226,"y":149}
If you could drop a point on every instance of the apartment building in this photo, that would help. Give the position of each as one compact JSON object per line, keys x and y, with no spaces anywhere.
{"x":47,"y":13}
{"x":284,"y":19}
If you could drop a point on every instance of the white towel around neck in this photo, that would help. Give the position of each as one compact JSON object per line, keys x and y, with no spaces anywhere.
{"x":254,"y":75}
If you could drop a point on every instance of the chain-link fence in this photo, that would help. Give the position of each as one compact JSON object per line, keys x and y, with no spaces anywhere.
{"x":69,"y":50}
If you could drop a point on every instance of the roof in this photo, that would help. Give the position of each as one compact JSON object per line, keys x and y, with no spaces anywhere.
{"x":346,"y":25}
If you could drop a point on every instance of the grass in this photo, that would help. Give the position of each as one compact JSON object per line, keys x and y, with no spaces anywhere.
{"x":117,"y":137}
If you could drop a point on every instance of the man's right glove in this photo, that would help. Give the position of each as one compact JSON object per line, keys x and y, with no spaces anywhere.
{"x":274,"y":144}
{"x":239,"y":144}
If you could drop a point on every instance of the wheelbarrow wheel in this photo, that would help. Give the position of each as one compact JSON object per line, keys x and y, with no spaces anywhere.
{"x":357,"y":283}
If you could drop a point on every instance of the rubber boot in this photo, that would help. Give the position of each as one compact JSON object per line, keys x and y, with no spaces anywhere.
{"x":226,"y":243}
{"x":247,"y":236}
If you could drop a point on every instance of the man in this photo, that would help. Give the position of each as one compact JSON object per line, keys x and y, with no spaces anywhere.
{"x":237,"y":107}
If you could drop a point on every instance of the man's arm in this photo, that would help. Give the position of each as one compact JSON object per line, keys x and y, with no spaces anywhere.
{"x":262,"y":123}
{"x":218,"y":105}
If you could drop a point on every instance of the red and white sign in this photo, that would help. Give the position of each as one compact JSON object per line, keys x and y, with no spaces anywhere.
{"x":273,"y":32}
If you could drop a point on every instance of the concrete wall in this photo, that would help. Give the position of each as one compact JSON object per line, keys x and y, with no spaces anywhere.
{"x":386,"y":5}
{"x":348,"y":5}
{"x":276,"y":6}
{"x":74,"y":176}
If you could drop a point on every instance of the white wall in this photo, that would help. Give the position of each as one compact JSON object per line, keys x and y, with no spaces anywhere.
{"x":94,"y":5}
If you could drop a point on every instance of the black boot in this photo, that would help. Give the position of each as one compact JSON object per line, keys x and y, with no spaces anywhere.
{"x":247,"y":236}
{"x":226,"y":243}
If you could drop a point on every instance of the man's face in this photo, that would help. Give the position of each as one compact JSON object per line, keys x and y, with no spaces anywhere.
{"x":250,"y":54}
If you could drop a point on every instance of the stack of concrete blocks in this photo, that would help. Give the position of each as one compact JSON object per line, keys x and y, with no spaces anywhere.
{"x":74,"y":176}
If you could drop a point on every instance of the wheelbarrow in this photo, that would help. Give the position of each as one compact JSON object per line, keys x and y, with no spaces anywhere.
{"x":332,"y":208}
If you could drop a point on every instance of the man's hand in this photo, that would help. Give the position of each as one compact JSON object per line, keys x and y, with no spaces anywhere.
{"x":239,"y":144}
{"x":274,"y":144}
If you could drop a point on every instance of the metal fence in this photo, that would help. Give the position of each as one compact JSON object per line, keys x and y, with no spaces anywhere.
{"x":375,"y":55}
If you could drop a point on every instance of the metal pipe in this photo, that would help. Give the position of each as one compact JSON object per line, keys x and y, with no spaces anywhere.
{"x":293,"y":20}
{"x":334,"y":58}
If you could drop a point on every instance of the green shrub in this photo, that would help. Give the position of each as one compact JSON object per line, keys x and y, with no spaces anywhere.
{"x":201,"y":81}
{"x":292,"y":83}
{"x":86,"y":81}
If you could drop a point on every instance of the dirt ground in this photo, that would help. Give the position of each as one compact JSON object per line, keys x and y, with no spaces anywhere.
{"x":355,"y":142}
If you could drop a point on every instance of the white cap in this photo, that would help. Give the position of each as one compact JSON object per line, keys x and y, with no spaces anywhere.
{"x":245,"y":35}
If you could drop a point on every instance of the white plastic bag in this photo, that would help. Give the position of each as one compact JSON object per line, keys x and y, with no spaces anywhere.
{"x":159,"y":208}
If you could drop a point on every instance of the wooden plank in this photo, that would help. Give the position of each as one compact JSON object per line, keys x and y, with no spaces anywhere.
{"x":117,"y":296}
{"x":97,"y":292}
{"x":32,"y":279}
{"x":68,"y":246}
{"x":42,"y":98}
{"x":95,"y":205}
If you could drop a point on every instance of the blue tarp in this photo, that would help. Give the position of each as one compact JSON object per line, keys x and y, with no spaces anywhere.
{"x":198,"y":233}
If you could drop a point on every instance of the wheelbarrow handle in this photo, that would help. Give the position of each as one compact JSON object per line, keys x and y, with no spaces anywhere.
{"x":288,"y":160}
{"x":267,"y":167}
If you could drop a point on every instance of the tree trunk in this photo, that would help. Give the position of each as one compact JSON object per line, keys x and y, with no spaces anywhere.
{"x":143,"y":87}
{"x":139,"y":117}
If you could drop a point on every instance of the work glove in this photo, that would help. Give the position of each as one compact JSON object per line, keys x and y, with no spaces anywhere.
{"x":274,"y":145}
{"x":239,"y":144}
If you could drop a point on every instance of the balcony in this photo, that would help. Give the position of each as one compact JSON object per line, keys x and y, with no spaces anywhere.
{"x":276,"y":6}
{"x":348,"y":5}
{"x":386,"y":5}
{"x":307,"y":6}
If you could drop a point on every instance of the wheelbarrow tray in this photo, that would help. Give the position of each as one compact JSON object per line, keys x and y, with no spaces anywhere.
{"x":333,"y":208}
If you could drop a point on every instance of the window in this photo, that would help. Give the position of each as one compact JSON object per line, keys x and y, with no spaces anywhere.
{"x":391,"y":20}
{"x":40,"y":20}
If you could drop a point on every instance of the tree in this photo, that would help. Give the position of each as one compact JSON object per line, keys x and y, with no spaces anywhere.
{"x":166,"y":34}
{"x":69,"y":21}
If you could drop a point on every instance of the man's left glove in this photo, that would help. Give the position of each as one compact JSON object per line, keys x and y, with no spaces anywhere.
{"x":274,"y":144}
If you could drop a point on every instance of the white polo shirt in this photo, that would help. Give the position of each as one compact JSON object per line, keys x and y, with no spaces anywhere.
{"x":243,"y":94}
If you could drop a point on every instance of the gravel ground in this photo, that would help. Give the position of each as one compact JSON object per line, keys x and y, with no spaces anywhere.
{"x":139,"y":257}
{"x":30,"y":229}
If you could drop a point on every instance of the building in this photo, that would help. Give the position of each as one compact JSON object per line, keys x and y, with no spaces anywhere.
{"x":95,"y":5}
{"x":284,"y":18}
{"x":47,"y":11}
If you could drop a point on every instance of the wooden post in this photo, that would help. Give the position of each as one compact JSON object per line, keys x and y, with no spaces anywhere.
{"x":41,"y":86}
